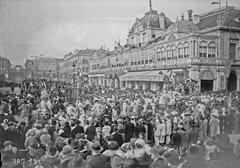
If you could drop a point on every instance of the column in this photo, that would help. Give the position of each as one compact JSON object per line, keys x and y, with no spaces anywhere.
{"x":121,"y":84}
{"x":144,"y":86}
{"x":136,"y":85}
{"x":116,"y":83}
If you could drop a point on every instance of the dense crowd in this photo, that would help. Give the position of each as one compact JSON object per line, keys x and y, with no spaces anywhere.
{"x":51,"y":124}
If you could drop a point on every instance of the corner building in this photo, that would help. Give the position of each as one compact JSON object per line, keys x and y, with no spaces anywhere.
{"x":204,"y":49}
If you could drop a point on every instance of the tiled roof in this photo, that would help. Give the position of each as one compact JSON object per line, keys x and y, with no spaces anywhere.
{"x":183,"y":26}
{"x":227,"y":15}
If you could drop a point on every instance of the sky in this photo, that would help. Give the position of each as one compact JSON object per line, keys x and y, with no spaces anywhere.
{"x":56,"y":27}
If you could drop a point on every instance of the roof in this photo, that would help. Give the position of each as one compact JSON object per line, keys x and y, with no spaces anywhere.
{"x":150,"y":19}
{"x":183,"y":26}
{"x":228,"y":15}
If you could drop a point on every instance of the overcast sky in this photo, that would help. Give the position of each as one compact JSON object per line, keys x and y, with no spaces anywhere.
{"x":57,"y":27}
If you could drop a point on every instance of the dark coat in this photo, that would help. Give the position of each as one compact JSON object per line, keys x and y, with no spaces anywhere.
{"x":176,"y":139}
{"x":140,"y":129}
{"x":67,"y":132}
{"x":129,"y":131}
{"x":116,"y":136}
{"x":78,"y":129}
{"x":98,"y":161}
{"x":91,"y":132}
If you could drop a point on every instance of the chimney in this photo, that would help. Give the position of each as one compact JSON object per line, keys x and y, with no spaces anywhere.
{"x":190,"y":11}
{"x":196,"y":19}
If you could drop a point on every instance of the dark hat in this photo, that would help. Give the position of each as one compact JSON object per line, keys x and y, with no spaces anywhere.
{"x":75,"y":144}
{"x":96,"y":146}
{"x":172,"y":156}
{"x":113,"y":145}
{"x":194,"y":151}
{"x":223,"y":141}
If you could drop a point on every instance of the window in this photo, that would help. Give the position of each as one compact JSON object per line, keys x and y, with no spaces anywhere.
{"x":169,"y":53}
{"x":211,"y":50}
{"x":232,"y":51}
{"x":144,"y":37}
{"x":174,"y":52}
{"x":203,"y":49}
{"x":186,"y":50}
{"x":180,"y":51}
{"x":158,"y":54}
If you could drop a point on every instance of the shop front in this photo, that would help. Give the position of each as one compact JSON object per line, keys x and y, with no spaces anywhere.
{"x":146,"y":80}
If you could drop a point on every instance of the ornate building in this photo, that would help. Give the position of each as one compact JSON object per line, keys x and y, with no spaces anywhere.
{"x":204,"y":49}
{"x":76,"y":64}
{"x":43,"y":67}
{"x":5,"y":66}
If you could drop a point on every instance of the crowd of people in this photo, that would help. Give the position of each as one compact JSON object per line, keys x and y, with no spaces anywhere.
{"x":51,"y":124}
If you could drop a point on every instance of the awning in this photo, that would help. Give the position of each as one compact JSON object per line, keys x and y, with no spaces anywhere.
{"x":153,"y":76}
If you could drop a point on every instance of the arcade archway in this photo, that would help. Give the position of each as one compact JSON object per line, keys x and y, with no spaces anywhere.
{"x":207,"y":79}
{"x":232,"y":81}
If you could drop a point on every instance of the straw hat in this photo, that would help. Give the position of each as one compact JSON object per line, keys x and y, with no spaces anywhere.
{"x":158,"y":150}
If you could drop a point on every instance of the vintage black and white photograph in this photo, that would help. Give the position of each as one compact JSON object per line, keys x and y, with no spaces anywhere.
{"x":120,"y":83}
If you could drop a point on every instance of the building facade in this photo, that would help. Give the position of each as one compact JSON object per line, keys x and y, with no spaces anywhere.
{"x":17,"y":74}
{"x":76,"y":64}
{"x":203,"y":49}
{"x":43,"y":68}
{"x":5,"y":66}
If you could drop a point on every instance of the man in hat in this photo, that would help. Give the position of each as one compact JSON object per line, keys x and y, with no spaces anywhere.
{"x":97,"y":159}
{"x":195,"y":158}
{"x":129,"y":130}
{"x":77,"y":129}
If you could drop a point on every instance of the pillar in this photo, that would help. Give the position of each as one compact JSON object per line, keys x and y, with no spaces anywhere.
{"x":144,"y":85}
{"x":121,"y":84}
{"x":116,"y":83}
{"x":136,"y":85}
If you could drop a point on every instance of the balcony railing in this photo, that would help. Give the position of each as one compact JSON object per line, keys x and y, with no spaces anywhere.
{"x":169,"y":63}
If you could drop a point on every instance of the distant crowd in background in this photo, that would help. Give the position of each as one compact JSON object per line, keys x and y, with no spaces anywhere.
{"x":52,"y":124}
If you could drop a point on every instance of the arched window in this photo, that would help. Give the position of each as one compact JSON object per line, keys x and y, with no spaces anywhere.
{"x":203,"y":49}
{"x":186,"y":50}
{"x":169,"y":53}
{"x":174,"y":52}
{"x":211,"y":50}
{"x":158,"y":54}
{"x":180,"y":51}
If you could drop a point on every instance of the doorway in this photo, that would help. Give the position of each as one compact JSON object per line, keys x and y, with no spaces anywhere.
{"x":232,"y":81}
{"x":206,"y":85}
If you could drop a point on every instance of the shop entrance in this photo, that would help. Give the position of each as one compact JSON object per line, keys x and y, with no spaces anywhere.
{"x":232,"y":81}
{"x":207,"y":79}
{"x":206,"y":85}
